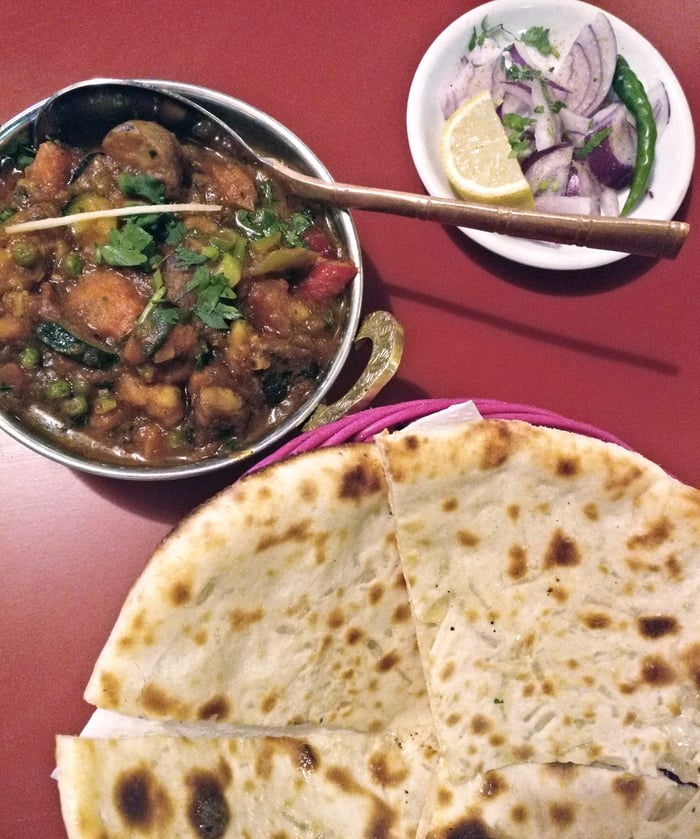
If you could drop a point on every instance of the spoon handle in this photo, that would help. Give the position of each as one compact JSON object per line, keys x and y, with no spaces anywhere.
{"x":647,"y":237}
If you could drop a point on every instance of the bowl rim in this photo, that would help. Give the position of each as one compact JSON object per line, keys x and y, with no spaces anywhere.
{"x":238,"y":111}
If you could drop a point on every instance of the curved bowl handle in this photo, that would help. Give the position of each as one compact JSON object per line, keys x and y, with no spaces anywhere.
{"x":386,"y":335}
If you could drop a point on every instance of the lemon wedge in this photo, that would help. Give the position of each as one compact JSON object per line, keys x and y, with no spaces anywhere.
{"x":476,"y":156}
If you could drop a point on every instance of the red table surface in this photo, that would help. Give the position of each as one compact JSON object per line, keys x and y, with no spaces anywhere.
{"x":616,"y":347}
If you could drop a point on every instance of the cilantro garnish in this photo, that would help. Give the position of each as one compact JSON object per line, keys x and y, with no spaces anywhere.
{"x":264,"y":221}
{"x":257,"y":224}
{"x":175,"y":231}
{"x":516,"y":127}
{"x":167,"y":314}
{"x":516,"y":72}
{"x":294,"y":226}
{"x":538,"y":37}
{"x":592,"y":142}
{"x":479,"y":36}
{"x":128,"y":246}
{"x":261,"y":223}
{"x":21,"y":153}
{"x":186,"y":256}
{"x":142,"y":186}
{"x":213,"y":306}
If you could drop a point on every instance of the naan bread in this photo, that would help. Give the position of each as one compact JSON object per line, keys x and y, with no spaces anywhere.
{"x":280,"y":602}
{"x":563,"y":801}
{"x":555,"y":583}
{"x":322,"y":784}
{"x":525,"y":665}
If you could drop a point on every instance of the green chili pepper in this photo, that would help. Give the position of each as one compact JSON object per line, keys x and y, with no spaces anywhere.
{"x":631,"y":92}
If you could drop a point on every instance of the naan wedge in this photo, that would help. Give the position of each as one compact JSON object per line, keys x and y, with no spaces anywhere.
{"x":280,"y":602}
{"x":555,"y":582}
{"x":319,"y":784}
{"x":563,"y":801}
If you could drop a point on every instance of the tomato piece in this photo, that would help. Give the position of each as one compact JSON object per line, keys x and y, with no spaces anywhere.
{"x":317,"y":240}
{"x":326,"y":280}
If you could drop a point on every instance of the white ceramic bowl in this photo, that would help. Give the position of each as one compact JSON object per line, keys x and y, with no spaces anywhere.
{"x":675,"y":152}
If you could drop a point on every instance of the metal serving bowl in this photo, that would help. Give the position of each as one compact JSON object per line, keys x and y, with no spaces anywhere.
{"x":270,"y":138}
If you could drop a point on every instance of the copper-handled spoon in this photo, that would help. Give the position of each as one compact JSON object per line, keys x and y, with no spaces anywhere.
{"x":83,"y":113}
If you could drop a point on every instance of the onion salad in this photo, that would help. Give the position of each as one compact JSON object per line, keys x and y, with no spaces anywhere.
{"x":578,"y":143}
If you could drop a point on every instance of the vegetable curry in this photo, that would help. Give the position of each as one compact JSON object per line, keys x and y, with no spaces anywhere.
{"x":165,"y":335}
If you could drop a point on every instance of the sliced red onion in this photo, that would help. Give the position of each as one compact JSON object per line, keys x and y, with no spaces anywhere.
{"x":607,"y":49}
{"x":660,"y":105}
{"x":587,"y":70}
{"x":609,"y":201}
{"x":575,"y":127}
{"x":547,"y":123}
{"x":470,"y":80}
{"x":548,"y":170}
{"x":516,"y":99}
{"x":583,"y":85}
{"x":612,"y":160}
{"x":574,"y":75}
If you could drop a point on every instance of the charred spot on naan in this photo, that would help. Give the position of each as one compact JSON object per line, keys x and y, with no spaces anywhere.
{"x":690,"y":658}
{"x":658,"y":532}
{"x":388,"y":769}
{"x":161,"y":705}
{"x":110,"y":689}
{"x":300,"y":754}
{"x":517,"y":562}
{"x":621,"y":477}
{"x":362,"y":479}
{"x":656,"y":626}
{"x":629,"y":788}
{"x":142,"y":803}
{"x":216,"y":708}
{"x":240,"y":620}
{"x":497,"y":444}
{"x":562,"y":551}
{"x":470,"y":827}
{"x":299,"y":531}
{"x":207,"y":811}
{"x":381,"y":817}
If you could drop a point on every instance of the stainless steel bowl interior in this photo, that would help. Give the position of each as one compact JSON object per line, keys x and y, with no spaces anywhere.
{"x":271,"y":138}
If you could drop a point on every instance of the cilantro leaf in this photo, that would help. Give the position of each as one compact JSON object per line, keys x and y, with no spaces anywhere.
{"x":516,"y":127}
{"x":174,"y":231}
{"x":592,"y":142}
{"x":167,"y":314}
{"x":479,"y":36}
{"x":127,"y":246}
{"x":257,"y":224}
{"x":538,"y":37}
{"x":142,"y":186}
{"x":294,"y":226}
{"x":186,"y":256}
{"x":213,"y":306}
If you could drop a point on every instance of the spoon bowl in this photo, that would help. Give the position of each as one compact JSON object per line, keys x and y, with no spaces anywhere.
{"x":84,"y":112}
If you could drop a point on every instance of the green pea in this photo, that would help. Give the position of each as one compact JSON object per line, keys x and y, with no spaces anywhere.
{"x":60,"y":389}
{"x":25,"y":254}
{"x":74,"y":407}
{"x":29,"y":357}
{"x":73,"y":264}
